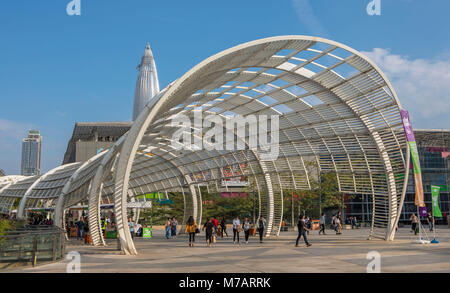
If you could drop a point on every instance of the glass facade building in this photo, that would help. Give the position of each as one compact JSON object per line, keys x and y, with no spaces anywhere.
{"x":434,"y":153}
{"x":31,"y":154}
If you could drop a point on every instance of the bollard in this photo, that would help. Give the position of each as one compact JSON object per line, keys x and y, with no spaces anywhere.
{"x":34,"y":253}
{"x":54,"y":248}
{"x":118,"y":244}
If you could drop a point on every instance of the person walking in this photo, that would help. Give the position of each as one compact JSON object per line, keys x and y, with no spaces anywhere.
{"x":261,"y":226}
{"x":173,"y":227}
{"x":168,"y":226}
{"x":191,"y":228}
{"x":302,"y":229}
{"x":354,"y":224}
{"x":223,"y":225}
{"x":333,"y":223}
{"x":322,"y":224}
{"x":80,"y":226}
{"x":308,"y":224}
{"x":236,"y":229}
{"x":414,"y":221}
{"x":131,"y":226}
{"x":430,"y":221}
{"x":208,"y":227}
{"x":246,"y":228}
{"x":338,"y":221}
{"x":215,"y":223}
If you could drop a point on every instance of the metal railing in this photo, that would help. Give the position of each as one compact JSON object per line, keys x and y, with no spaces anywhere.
{"x":32,"y":244}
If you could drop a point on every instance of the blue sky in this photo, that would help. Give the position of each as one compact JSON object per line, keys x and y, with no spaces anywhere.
{"x":57,"y":69}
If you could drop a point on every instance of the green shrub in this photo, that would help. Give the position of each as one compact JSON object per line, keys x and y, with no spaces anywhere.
{"x":5,"y":225}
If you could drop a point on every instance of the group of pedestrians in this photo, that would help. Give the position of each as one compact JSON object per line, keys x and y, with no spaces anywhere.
{"x":213,"y":229}
{"x":135,"y":228}
{"x":304,"y":226}
{"x":171,"y":227}
{"x":415,"y":223}
{"x":336,"y":223}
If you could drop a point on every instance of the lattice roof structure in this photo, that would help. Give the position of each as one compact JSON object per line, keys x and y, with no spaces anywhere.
{"x":337,"y":112}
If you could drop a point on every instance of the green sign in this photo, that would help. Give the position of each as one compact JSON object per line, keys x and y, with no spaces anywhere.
{"x":435,"y":200}
{"x":151,"y":195}
{"x":111,"y":234}
{"x":443,"y":187}
{"x":146,"y":233}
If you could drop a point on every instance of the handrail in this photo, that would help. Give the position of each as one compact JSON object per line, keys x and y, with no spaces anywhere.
{"x":30,"y":245}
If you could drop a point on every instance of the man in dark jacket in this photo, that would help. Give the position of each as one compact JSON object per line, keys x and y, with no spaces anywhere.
{"x":302,"y":229}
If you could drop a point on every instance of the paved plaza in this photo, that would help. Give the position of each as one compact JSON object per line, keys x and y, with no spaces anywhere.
{"x":328,"y":254}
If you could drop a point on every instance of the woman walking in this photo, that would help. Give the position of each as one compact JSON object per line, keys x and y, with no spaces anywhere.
{"x":246,"y":228}
{"x":338,"y":225}
{"x":236,"y":228}
{"x":191,"y":228}
{"x":208,"y":227}
{"x":322,"y":224}
{"x":167,"y":226}
{"x":173,"y":227}
{"x":430,"y":221}
{"x":261,"y":226}
{"x":414,"y":221}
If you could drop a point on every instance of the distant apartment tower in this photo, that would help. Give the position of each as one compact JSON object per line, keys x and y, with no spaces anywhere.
{"x":31,"y":153}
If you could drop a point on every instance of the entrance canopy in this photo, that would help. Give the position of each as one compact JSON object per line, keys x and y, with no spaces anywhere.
{"x":337,"y":112}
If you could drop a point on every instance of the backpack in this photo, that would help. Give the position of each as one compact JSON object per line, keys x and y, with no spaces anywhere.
{"x":261,"y":224}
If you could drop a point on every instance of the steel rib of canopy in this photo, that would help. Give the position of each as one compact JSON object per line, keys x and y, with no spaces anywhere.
{"x":336,"y":110}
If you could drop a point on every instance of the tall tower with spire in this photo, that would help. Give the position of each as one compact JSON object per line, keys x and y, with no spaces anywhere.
{"x":147,"y":84}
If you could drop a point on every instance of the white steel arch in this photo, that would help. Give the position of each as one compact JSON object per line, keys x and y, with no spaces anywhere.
{"x":337,"y":112}
{"x":355,"y":124}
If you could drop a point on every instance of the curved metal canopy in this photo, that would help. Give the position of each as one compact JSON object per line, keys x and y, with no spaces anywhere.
{"x":337,"y":113}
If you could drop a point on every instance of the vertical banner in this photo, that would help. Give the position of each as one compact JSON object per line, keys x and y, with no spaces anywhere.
{"x":435,"y":200}
{"x":423,"y":211}
{"x":414,"y":156}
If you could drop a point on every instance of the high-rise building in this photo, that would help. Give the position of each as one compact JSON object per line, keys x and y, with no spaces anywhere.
{"x":89,"y":138}
{"x":31,"y":153}
{"x":147,"y":84}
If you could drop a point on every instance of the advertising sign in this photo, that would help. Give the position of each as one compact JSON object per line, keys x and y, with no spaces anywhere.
{"x":146,"y":233}
{"x":435,"y":199}
{"x":419,"y":201}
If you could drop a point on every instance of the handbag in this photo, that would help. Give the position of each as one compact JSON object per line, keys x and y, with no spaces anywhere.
{"x":197,"y":231}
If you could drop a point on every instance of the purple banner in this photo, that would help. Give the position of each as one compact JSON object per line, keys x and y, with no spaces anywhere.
{"x":423,"y":211}
{"x":407,"y":126}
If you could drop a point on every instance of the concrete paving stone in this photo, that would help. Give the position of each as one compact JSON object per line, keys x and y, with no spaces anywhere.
{"x":329,"y":254}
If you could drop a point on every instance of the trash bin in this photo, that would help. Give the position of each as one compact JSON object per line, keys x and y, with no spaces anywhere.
{"x":315,"y":224}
